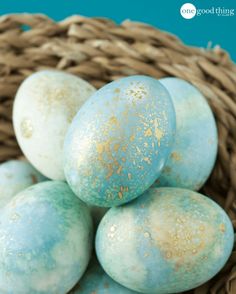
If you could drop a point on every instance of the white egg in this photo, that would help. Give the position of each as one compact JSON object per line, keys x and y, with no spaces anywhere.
{"x":44,"y":107}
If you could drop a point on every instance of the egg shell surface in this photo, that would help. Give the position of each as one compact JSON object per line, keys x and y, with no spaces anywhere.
{"x":44,"y":107}
{"x":119,"y":141}
{"x":45,"y":240}
{"x":15,"y":176}
{"x":168,"y":240}
{"x":195,"y":148}
{"x":96,"y":281}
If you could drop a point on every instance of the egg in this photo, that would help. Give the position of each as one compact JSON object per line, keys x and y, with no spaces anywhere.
{"x":44,"y":107}
{"x":45,"y":240}
{"x":96,"y":281}
{"x":119,"y":141}
{"x":194,"y":151}
{"x":15,"y":176}
{"x":168,"y":240}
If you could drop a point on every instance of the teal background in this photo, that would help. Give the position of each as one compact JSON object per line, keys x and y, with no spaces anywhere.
{"x":163,"y":14}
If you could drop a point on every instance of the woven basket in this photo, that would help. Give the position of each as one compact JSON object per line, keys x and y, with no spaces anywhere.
{"x":100,"y":51}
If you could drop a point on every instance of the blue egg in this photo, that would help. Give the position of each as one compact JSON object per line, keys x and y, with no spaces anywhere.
{"x":194,"y":151}
{"x":15,"y":176}
{"x":96,"y":281}
{"x":45,"y":240}
{"x":119,"y":141}
{"x":168,"y":240}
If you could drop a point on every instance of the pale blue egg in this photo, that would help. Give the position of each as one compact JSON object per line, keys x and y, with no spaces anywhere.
{"x":168,"y":240}
{"x":15,"y":176}
{"x":119,"y":141}
{"x":45,"y":240}
{"x":96,"y":281}
{"x":194,"y":151}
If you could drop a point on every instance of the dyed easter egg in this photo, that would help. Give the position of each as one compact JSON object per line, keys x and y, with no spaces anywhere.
{"x":45,"y":240}
{"x":44,"y":107}
{"x":168,"y":240}
{"x":194,"y":151}
{"x":119,"y":141}
{"x":96,"y":281}
{"x":15,"y":176}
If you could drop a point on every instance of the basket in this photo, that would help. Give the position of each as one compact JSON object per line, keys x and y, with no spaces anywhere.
{"x":100,"y":51}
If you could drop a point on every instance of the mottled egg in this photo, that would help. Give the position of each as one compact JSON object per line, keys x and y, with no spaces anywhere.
{"x":44,"y":107}
{"x":15,"y":176}
{"x":96,"y":281}
{"x":45,"y":240}
{"x":119,"y":141}
{"x":168,"y":240}
{"x":194,"y":151}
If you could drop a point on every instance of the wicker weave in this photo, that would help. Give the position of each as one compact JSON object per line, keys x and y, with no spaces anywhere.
{"x":100,"y":51}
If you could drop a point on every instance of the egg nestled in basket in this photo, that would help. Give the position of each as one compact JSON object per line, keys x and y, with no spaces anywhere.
{"x":44,"y":107}
{"x":45,"y":240}
{"x":119,"y":141}
{"x":195,"y":148}
{"x":168,"y":240}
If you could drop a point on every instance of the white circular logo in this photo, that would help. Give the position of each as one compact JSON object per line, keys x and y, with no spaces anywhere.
{"x":188,"y":10}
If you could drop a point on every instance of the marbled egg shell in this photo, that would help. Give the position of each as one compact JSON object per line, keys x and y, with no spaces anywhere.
{"x":15,"y":176}
{"x":44,"y":107}
{"x":96,"y":281}
{"x":45,"y":240}
{"x":194,"y":151}
{"x":168,"y":240}
{"x":119,"y":141}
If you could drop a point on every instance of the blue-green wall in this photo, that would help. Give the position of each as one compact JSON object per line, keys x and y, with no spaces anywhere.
{"x":161,"y":13}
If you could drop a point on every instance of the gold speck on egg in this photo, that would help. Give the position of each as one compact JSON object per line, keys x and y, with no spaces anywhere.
{"x":176,"y":156}
{"x":148,"y":133}
{"x":168,"y":254}
{"x":194,"y":251}
{"x":129,"y":176}
{"x":116,"y":147}
{"x":113,"y":120}
{"x":180,"y":220}
{"x":137,"y":92}
{"x":120,"y":195}
{"x":222,"y":228}
{"x":124,"y":148}
{"x":147,"y":159}
{"x":202,"y":228}
{"x":132,"y":138}
{"x":119,"y":170}
{"x":158,"y":132}
{"x":26,"y":128}
{"x":99,"y":148}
